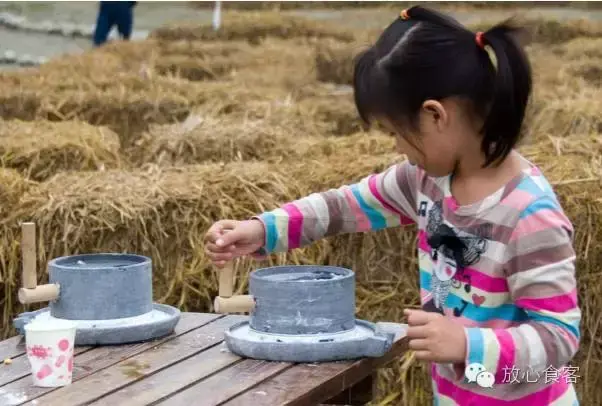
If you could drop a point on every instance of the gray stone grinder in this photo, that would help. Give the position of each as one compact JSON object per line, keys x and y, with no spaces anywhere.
{"x":108,"y":296}
{"x":299,"y":314}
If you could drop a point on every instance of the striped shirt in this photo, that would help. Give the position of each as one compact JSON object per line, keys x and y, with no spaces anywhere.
{"x":503,"y":267}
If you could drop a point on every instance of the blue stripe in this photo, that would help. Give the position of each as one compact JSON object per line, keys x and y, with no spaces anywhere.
{"x":547,"y":319}
{"x":377,"y":221}
{"x":528,"y":185}
{"x":547,"y":203}
{"x":425,"y":280}
{"x":507,"y":312}
{"x":482,"y":314}
{"x":271,"y":232}
{"x":476,"y":345}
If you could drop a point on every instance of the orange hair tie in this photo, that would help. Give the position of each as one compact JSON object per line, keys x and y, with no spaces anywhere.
{"x":480,"y":40}
{"x":404,"y":15}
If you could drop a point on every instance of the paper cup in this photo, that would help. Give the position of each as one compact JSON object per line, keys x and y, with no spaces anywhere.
{"x":50,"y":351}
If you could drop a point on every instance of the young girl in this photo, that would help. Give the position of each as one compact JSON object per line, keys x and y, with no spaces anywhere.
{"x":500,"y":318}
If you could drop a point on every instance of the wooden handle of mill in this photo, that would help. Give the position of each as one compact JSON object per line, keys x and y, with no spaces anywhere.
{"x":41,"y":293}
{"x":234,"y":304}
{"x":226,"y":280}
{"x":29,"y":255}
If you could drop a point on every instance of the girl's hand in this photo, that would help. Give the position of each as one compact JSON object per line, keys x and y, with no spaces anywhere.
{"x":229,"y":239}
{"x":435,"y":338}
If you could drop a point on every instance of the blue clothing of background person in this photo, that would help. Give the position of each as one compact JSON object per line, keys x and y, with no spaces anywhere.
{"x":112,"y":13}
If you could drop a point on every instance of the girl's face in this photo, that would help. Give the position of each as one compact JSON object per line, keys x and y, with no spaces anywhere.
{"x":434,"y":146}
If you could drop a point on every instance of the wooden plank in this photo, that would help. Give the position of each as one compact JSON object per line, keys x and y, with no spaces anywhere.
{"x":123,"y":373}
{"x":312,"y":384}
{"x":98,"y":358}
{"x":12,"y":347}
{"x":359,"y":394}
{"x":227,"y":383}
{"x":170,"y":380}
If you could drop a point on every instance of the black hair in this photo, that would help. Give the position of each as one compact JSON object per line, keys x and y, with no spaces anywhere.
{"x":432,"y":56}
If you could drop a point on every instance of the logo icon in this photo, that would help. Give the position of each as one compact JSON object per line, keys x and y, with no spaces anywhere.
{"x":477,"y":373}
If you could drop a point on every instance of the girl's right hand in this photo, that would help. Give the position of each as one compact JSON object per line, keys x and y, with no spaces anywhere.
{"x":229,"y":239}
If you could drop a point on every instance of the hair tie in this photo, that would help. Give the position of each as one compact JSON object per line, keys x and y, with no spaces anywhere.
{"x":480,"y":40}
{"x":404,"y":15}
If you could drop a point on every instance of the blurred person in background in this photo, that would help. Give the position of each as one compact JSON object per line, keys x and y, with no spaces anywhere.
{"x":112,"y":13}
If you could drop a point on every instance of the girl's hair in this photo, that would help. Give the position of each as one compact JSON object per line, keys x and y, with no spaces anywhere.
{"x":426,"y":55}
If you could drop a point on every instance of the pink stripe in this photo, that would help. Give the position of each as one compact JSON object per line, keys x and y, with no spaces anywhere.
{"x":534,"y":223}
{"x":518,"y":199}
{"x":558,"y":304}
{"x":573,"y":341}
{"x":464,"y":397}
{"x":487,"y":283}
{"x":422,"y":242}
{"x":363,"y":223}
{"x":295,"y":225}
{"x":492,"y":323}
{"x":451,"y":202}
{"x":403,"y":219}
{"x":507,"y":353}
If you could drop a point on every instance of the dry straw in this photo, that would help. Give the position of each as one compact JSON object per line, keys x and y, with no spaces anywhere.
{"x":286,"y":134}
{"x":39,"y":149}
{"x":254,"y":27}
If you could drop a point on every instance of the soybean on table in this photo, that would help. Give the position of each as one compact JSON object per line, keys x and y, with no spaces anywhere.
{"x":192,"y":366}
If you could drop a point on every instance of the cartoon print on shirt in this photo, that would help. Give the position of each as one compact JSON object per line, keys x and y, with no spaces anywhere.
{"x":451,"y":254}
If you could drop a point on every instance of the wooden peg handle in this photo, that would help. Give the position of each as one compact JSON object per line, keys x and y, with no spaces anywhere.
{"x":226,"y":280}
{"x":28,"y":255}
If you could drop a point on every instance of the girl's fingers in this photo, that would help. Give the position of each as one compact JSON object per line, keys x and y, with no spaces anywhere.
{"x":417,"y":332}
{"x":418,"y":317}
{"x":215,"y":257}
{"x":419,"y":344}
{"x":210,"y":247}
{"x":424,"y":355}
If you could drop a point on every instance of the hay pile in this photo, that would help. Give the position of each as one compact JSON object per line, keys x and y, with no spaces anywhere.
{"x":12,"y":186}
{"x":253,"y":27}
{"x":39,"y":149}
{"x":546,"y":31}
{"x":202,"y":139}
{"x":335,"y":61}
{"x":221,"y":126}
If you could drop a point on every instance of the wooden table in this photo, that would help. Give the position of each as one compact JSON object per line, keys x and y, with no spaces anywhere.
{"x":190,"y":367}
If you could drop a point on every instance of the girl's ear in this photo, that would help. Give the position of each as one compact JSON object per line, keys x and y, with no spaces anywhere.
{"x":436,"y":113}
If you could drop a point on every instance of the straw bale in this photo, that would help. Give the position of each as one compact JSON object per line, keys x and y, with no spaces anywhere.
{"x":317,"y":109}
{"x":253,"y":26}
{"x":194,"y":68}
{"x":563,"y":115}
{"x":288,"y":5}
{"x":549,"y":31}
{"x":12,"y":186}
{"x":39,"y":149}
{"x":335,"y":61}
{"x":214,"y":139}
{"x":288,"y":64}
{"x":589,"y":69}
{"x":129,"y":105}
{"x":230,"y":138}
{"x":580,"y":47}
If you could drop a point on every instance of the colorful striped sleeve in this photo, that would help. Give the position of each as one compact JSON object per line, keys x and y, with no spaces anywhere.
{"x":379,"y":201}
{"x":540,"y":268}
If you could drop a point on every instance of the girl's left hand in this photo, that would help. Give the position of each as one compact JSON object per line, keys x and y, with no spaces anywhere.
{"x":435,"y":338}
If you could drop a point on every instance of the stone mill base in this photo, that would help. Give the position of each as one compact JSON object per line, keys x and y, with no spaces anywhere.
{"x":157,"y":323}
{"x":365,"y":340}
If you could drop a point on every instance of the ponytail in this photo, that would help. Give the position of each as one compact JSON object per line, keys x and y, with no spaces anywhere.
{"x":511,"y":90}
